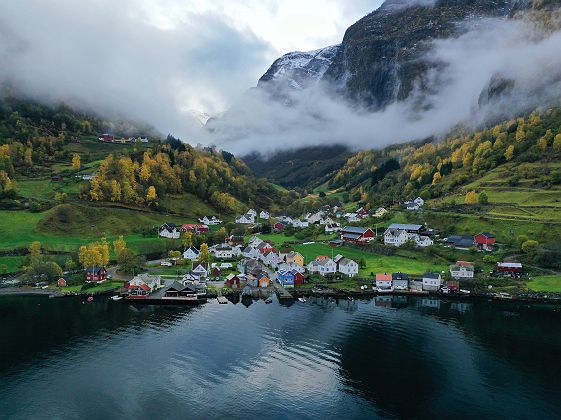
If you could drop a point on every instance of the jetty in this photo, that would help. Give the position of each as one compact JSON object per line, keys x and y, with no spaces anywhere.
{"x":282,"y":293}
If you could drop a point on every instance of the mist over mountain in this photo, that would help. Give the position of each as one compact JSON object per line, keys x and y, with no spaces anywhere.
{"x":407,"y":71}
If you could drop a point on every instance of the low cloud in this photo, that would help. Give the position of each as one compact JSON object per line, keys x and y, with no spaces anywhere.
{"x":465,"y":66}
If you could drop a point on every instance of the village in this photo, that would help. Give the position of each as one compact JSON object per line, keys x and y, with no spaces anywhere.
{"x":254,"y":265}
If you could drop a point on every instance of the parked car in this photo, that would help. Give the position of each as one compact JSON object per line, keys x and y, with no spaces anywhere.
{"x":166,"y":264}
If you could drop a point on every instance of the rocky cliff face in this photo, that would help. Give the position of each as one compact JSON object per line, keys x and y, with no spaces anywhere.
{"x":381,"y":56}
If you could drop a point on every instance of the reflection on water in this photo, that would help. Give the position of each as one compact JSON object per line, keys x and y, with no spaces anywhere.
{"x":391,"y":356}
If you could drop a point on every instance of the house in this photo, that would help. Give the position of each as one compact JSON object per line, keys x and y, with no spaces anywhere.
{"x":233,"y":281}
{"x":380,"y":212}
{"x":106,"y":138}
{"x":416,"y":285}
{"x":264,"y":281}
{"x":142,"y":285}
{"x":61,"y":282}
{"x":264,"y":215}
{"x":512,"y":269}
{"x":235,"y":240}
{"x":462,"y":270}
{"x":432,"y":282}
{"x":460,"y":241}
{"x":210,"y":220}
{"x":223,"y":252}
{"x":215,"y":272}
{"x":180,"y":291}
{"x":415,"y":204}
{"x":333,"y":227}
{"x":252,"y":213}
{"x":395,"y":237}
{"x":201,"y":268}
{"x":485,"y":241}
{"x":322,"y":266}
{"x":246,"y":219}
{"x":346,"y":266}
{"x":397,"y":234}
{"x":191,"y":277}
{"x":453,"y":286}
{"x":286,"y":278}
{"x":250,"y":252}
{"x":270,"y":257}
{"x":400,"y":281}
{"x":191,"y":253}
{"x":315,"y":218}
{"x":384,"y":281}
{"x":96,"y":274}
{"x":279,"y":227}
{"x":300,"y":223}
{"x":196,"y":228}
{"x":294,"y":257}
{"x":169,"y":231}
{"x":352,"y":217}
{"x":357,"y":234}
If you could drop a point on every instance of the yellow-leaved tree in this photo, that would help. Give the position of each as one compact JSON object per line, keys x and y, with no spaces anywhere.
{"x":151,"y":193}
{"x":119,"y":245}
{"x":471,"y":198}
{"x":436,"y":178}
{"x":509,"y":153}
{"x":187,"y":239}
{"x":94,"y":254}
{"x":76,"y":163}
{"x":204,"y":255}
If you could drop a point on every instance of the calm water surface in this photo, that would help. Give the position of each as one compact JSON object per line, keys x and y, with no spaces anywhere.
{"x":400,"y":358}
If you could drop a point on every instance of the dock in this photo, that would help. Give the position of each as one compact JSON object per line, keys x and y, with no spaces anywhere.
{"x":282,"y":293}
{"x":222,"y":300}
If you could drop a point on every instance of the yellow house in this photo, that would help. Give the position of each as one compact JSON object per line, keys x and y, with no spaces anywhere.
{"x":295,"y":257}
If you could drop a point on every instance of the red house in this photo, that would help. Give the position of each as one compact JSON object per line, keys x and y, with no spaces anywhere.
{"x":195,"y":228}
{"x":216,"y":272}
{"x":357,"y":234}
{"x":485,"y":241}
{"x":233,"y":281}
{"x":510,"y":269}
{"x":107,"y":138}
{"x":96,"y":274}
{"x":298,"y":278}
{"x":279,"y":226}
{"x":61,"y":282}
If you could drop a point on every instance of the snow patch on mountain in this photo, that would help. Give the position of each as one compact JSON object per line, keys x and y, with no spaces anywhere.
{"x":299,"y":70}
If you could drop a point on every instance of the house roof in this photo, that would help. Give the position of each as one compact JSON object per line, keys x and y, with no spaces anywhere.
{"x":400,"y":276}
{"x":463,"y":241}
{"x":487,"y":235}
{"x":178,"y":287}
{"x":431,"y":276}
{"x":192,"y":249}
{"x":355,"y":230}
{"x":509,"y":265}
{"x":346,"y":261}
{"x":94,"y":269}
{"x":383,"y":277}
{"x":464,"y":264}
{"x":352,"y":235}
{"x":404,"y":226}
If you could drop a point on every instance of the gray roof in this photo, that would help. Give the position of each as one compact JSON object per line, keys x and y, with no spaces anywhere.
{"x":355,"y":229}
{"x":431,"y":276}
{"x":400,"y":276}
{"x":405,"y":227}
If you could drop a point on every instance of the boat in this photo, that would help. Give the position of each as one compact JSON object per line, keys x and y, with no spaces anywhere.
{"x":301,"y":299}
{"x":116,"y":297}
{"x":268,"y":300}
{"x":89,"y":299}
{"x":351,"y":298}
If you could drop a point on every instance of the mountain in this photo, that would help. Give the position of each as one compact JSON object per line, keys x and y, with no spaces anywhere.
{"x":303,"y":167}
{"x":299,"y":70}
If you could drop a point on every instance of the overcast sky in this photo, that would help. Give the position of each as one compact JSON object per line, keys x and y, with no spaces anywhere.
{"x":156,"y":60}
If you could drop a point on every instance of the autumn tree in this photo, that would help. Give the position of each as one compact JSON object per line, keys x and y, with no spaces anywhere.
{"x":115,"y":191}
{"x":471,"y":198}
{"x":187,"y":239}
{"x":151,"y":194}
{"x":509,"y":153}
{"x":119,"y":245}
{"x":542,"y":144}
{"x":530,"y":246}
{"x":204,"y":254}
{"x":557,"y":143}
{"x":436,"y":178}
{"x":76,"y":164}
{"x":94,"y":254}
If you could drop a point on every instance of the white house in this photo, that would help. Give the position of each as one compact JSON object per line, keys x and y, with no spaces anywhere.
{"x":380,"y":212}
{"x":346,"y":266}
{"x":252,"y":213}
{"x":415,"y":204}
{"x":270,"y":258}
{"x":191,"y":253}
{"x":250,"y":252}
{"x":322,"y":266}
{"x":210,"y":220}
{"x":223,"y":252}
{"x":264,"y":215}
{"x":423,"y":241}
{"x":201,"y":269}
{"x":395,"y":237}
{"x":169,"y":231}
{"x":153,"y":282}
{"x":352,"y":217}
{"x":462,"y":270}
{"x":300,"y":223}
{"x":334,"y":227}
{"x":431,"y":282}
{"x":246,"y":219}
{"x":316,"y":217}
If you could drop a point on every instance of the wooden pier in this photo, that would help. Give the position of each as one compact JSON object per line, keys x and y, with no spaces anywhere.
{"x":222,"y":300}
{"x":282,"y":293}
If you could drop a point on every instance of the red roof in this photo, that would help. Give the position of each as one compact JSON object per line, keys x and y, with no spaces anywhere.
{"x":464,"y":264}
{"x":383,"y":277}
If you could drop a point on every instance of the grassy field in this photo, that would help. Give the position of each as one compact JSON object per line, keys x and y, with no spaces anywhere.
{"x":12,"y":263}
{"x":415,"y":263}
{"x":103,"y":287}
{"x":545,"y":284}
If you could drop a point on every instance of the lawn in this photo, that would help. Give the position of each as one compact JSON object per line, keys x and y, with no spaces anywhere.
{"x":415,"y":264}
{"x":44,"y":189}
{"x":103,"y":287}
{"x":545,"y":284}
{"x":12,"y":263}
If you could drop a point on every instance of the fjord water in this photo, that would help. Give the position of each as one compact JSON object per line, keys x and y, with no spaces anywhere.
{"x":406,"y":357}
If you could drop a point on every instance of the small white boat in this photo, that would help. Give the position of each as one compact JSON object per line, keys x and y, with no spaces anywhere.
{"x":116,"y":297}
{"x":301,"y":299}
